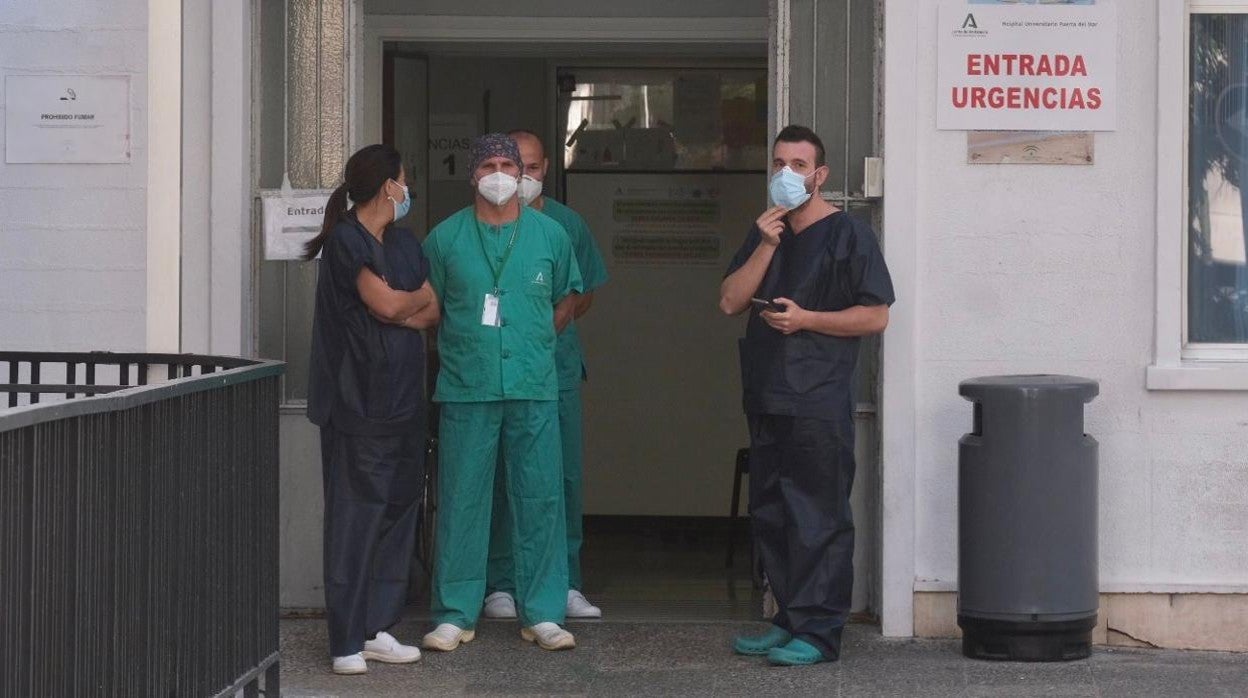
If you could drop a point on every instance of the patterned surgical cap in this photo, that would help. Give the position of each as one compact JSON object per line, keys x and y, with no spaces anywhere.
{"x":493,"y":145}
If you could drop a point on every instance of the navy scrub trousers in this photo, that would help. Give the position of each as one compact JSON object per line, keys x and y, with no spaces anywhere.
{"x":372,"y":488}
{"x":801,"y":473}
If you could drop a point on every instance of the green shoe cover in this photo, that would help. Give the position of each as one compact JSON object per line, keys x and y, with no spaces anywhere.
{"x":796,"y":653}
{"x":758,"y":645}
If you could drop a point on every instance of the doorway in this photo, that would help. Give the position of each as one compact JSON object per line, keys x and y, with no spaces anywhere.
{"x":666,"y":160}
{"x":662,"y":404}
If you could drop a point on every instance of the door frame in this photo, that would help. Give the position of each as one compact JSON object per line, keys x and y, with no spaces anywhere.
{"x":902,"y":112}
{"x":897,"y":412}
{"x":373,"y":31}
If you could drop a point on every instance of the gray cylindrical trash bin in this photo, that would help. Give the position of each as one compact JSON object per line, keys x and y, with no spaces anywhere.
{"x":1027,"y":568}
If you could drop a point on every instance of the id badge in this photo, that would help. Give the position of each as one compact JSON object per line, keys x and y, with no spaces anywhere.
{"x":489,"y":311}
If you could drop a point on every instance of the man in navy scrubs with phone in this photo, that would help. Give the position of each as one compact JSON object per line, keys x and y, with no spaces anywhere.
{"x":817,"y":282}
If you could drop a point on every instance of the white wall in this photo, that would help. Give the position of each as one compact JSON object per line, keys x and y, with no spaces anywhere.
{"x":72,"y":242}
{"x":1027,"y":269}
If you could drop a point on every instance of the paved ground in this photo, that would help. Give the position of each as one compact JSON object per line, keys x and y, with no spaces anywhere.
{"x":692,"y":658}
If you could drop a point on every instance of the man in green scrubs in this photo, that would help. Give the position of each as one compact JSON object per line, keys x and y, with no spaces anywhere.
{"x":499,"y":270}
{"x":571,"y":368}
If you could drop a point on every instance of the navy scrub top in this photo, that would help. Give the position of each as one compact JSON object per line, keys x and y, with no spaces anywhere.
{"x":833,"y":264}
{"x":367,"y":377}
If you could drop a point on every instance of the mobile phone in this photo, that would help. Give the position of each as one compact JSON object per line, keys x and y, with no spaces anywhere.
{"x":773,"y":306}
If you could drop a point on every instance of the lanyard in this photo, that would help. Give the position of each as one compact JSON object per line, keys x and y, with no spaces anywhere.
{"x":511,"y":244}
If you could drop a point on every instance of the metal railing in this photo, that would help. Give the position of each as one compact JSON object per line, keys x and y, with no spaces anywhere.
{"x":138,"y":525}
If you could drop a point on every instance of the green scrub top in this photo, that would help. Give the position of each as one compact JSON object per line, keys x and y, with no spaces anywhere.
{"x":515,"y":360}
{"x":569,"y":359}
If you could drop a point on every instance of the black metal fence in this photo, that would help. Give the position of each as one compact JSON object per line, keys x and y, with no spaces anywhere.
{"x":138,"y":527}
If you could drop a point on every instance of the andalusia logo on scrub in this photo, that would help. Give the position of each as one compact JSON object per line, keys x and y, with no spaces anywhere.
{"x":540,"y":279}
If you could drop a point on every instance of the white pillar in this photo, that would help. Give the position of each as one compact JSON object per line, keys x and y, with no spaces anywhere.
{"x":899,"y":394}
{"x":164,"y":163}
{"x":231,"y":262}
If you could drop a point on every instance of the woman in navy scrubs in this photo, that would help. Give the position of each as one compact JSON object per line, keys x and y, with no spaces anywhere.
{"x":366,"y":393}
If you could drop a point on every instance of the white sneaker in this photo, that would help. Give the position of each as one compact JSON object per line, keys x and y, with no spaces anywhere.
{"x":350,"y":664}
{"x":447,"y":637}
{"x":549,"y":636}
{"x":580,"y":607}
{"x":384,"y":648}
{"x":500,"y":604}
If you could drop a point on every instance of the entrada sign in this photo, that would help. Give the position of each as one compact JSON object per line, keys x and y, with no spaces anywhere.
{"x":1027,"y":67}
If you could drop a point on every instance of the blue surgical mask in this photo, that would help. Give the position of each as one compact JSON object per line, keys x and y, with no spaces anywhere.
{"x":402,"y":207}
{"x":788,"y":188}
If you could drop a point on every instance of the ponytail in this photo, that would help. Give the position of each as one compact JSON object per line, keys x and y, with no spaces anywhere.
{"x":334,"y":209}
{"x":363,"y":178}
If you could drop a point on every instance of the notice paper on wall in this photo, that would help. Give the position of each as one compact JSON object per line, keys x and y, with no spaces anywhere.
{"x":62,"y":119}
{"x":291,"y":219}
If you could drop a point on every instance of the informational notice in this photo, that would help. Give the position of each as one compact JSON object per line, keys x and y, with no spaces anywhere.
{"x":63,"y":119}
{"x":450,"y":137}
{"x":1040,"y":67}
{"x":291,"y":219}
{"x":1030,"y":147}
{"x":666,"y":225}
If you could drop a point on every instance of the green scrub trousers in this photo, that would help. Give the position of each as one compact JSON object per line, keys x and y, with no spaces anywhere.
{"x":472,"y":435}
{"x":501,"y":574}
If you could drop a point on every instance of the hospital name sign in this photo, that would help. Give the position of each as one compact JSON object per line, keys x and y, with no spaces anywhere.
{"x":1027,"y":67}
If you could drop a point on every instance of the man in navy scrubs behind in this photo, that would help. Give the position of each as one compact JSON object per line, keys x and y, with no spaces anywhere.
{"x":814,"y":281}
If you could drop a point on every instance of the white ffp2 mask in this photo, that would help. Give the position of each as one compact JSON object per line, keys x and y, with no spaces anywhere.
{"x":497,"y":188}
{"x":530,"y":189}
